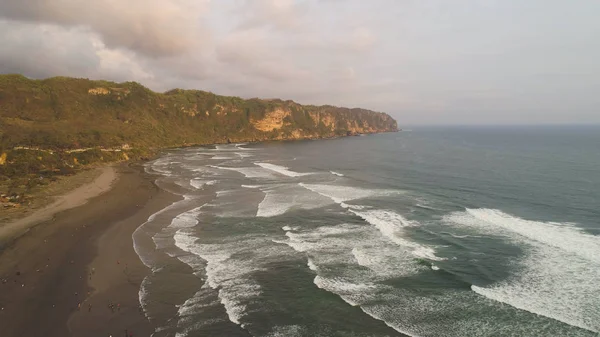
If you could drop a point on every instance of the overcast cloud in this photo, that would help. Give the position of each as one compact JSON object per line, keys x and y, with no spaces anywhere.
{"x":423,"y":61}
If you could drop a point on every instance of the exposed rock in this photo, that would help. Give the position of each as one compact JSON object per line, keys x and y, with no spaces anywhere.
{"x":66,"y":118}
{"x":99,"y":91}
{"x":273,"y":120}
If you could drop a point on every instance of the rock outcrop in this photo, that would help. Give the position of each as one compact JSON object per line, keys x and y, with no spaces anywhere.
{"x":69,"y":113}
{"x":57,"y":125}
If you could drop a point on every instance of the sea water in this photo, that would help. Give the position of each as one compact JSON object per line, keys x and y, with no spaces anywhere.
{"x":433,"y":232}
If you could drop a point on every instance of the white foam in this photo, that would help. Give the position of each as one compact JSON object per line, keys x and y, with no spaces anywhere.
{"x":241,"y":147}
{"x":244,"y":155}
{"x":205,"y":171}
{"x":229,"y":268}
{"x":248,"y":172}
{"x":341,"y":194}
{"x":162,"y":170}
{"x":274,"y":204}
{"x":218,"y":157}
{"x":385,"y":261}
{"x":361,"y":258}
{"x":143,"y":294}
{"x":346,"y":248}
{"x":224,"y":147}
{"x":186,"y":219}
{"x":161,"y":166}
{"x":392,"y":225}
{"x":184,"y":241}
{"x":227,"y":278}
{"x":354,"y":207}
{"x":223,"y":193}
{"x":562,"y":236}
{"x":559,"y":274}
{"x":280,"y":199}
{"x":424,"y":206}
{"x":163,"y":239}
{"x":140,"y":231}
{"x":281,"y":170}
{"x":251,"y":186}
{"x":154,"y":215}
{"x":196,"y":304}
{"x":342,"y":286}
{"x":336,"y":173}
{"x":200,"y":183}
{"x":355,"y":261}
{"x":461,"y":236}
{"x":348,"y":291}
{"x":322,"y":238}
{"x":286,"y":331}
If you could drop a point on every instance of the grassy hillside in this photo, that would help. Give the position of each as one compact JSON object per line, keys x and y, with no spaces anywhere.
{"x":57,"y":125}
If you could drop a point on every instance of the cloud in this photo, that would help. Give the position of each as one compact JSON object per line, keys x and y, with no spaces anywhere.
{"x":430,"y":62}
{"x":280,"y":14}
{"x":252,"y":54}
{"x":43,"y":50}
{"x":151,"y":27}
{"x":362,"y":39}
{"x":46,"y":50}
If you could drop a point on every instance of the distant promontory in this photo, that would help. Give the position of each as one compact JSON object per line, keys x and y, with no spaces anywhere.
{"x":60,"y":123}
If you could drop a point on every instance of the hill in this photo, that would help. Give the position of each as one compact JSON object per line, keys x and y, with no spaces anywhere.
{"x":57,"y":125}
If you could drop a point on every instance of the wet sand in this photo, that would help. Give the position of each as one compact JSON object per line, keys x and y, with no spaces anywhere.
{"x":81,"y":256}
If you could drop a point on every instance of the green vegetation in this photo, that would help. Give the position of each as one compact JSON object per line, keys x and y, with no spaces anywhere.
{"x":43,"y":121}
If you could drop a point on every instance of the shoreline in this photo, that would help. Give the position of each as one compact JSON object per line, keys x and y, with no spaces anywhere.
{"x":78,"y":196}
{"x":76,"y":256}
{"x":81,"y":255}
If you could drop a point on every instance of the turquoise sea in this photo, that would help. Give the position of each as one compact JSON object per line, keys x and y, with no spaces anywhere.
{"x":455,"y":231}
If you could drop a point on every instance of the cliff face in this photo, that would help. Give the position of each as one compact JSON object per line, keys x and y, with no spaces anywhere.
{"x":67,"y":113}
{"x":59,"y":124}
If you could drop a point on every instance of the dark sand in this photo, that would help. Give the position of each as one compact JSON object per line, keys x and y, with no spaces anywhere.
{"x":55,"y":260}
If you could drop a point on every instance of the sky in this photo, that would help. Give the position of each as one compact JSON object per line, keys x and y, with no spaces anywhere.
{"x":421,"y":61}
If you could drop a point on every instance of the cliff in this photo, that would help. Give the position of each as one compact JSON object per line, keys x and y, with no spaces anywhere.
{"x":58,"y":124}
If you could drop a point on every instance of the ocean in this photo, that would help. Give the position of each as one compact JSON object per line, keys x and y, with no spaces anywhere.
{"x":456,"y":231}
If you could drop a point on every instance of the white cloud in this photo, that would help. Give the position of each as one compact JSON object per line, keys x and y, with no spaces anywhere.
{"x":152,"y":27}
{"x":432,"y":59}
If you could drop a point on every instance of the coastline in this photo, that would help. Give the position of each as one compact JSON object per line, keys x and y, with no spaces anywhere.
{"x":66,"y":262}
{"x":47,"y":273}
{"x":78,"y":196}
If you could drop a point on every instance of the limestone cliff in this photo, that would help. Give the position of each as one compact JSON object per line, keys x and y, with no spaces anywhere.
{"x":69,"y":113}
{"x":63,"y":123}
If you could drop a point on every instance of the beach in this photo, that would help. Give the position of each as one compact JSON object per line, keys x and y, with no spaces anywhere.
{"x":403,"y":238}
{"x":76,"y":257}
{"x":413,"y":234}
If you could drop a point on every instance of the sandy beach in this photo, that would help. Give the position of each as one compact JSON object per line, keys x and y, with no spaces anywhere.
{"x":76,"y":257}
{"x":73,"y":198}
